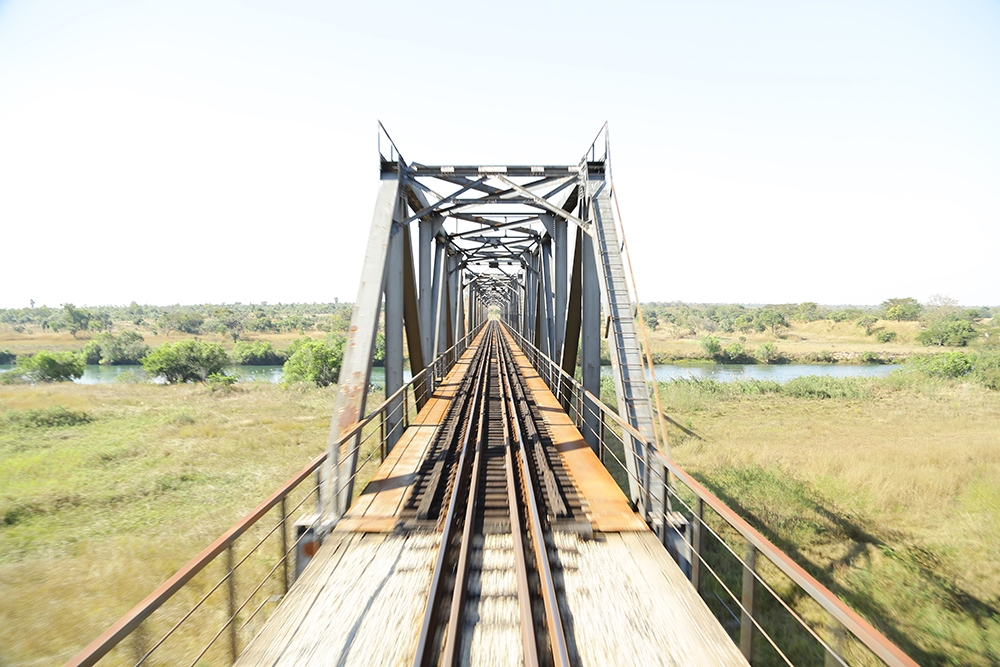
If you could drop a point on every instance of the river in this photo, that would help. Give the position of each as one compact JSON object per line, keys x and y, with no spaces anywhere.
{"x":95,"y":374}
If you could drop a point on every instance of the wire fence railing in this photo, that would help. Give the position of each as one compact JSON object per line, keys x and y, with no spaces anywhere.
{"x":775,"y":611}
{"x":207,"y":612}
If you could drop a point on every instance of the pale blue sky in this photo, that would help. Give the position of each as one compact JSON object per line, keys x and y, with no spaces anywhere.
{"x":182,"y":151}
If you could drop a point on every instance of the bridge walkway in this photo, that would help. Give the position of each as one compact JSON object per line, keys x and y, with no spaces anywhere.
{"x":362,"y":599}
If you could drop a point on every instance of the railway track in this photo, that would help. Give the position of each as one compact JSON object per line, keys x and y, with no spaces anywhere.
{"x":490,"y":485}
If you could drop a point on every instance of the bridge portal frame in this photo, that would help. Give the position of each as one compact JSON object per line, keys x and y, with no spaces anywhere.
{"x":539,"y":243}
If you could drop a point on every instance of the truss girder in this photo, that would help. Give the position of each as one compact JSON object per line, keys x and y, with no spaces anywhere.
{"x":537,"y":243}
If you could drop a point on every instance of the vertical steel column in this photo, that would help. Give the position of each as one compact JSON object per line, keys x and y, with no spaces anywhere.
{"x":425,"y":258}
{"x":454,"y":279}
{"x":591,"y":332}
{"x":356,"y":366}
{"x":546,"y":280}
{"x":560,"y":241}
{"x":394,"y":298}
{"x":411,"y":315}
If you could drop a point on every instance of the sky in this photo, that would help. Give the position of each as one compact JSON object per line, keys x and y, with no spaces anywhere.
{"x":763,"y":152}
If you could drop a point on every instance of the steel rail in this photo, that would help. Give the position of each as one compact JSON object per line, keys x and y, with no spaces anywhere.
{"x":423,"y":646}
{"x":864,"y":631}
{"x":458,"y":593}
{"x":557,"y":635}
{"x":508,"y":410}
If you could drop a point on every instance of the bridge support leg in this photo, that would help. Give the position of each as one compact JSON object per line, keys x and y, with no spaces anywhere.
{"x":355,"y":372}
{"x":394,"y":297}
{"x":591,"y":331}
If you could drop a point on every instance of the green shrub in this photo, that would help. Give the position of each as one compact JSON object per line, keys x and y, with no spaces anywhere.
{"x":947,"y":365}
{"x":47,"y":417}
{"x":221,"y":381}
{"x":734,"y":353}
{"x":821,"y":357}
{"x":258,"y":353}
{"x":885,"y":336}
{"x":711,"y":346}
{"x":872,"y":358}
{"x":986,"y":369}
{"x":186,"y":361}
{"x":315,"y":361}
{"x":948,"y":331}
{"x":52,"y":366}
{"x":767,"y":353}
{"x":91,"y":353}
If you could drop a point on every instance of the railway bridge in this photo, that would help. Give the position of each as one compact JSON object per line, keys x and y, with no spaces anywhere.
{"x":492,"y":509}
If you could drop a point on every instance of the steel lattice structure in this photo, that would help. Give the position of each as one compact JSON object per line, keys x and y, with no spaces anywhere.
{"x":539,"y":243}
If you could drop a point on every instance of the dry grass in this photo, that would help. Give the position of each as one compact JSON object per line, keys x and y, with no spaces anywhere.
{"x":802,"y":338}
{"x":94,"y":516}
{"x":891,"y":499}
{"x":29,"y":343}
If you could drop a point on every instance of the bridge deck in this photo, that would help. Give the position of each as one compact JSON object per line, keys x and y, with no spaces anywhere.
{"x":361,"y":601}
{"x":377,"y":508}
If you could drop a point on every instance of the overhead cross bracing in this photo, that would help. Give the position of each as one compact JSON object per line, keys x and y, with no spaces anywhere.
{"x":538,"y":243}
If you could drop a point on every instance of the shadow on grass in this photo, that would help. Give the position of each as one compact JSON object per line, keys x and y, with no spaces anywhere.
{"x":792,"y":517}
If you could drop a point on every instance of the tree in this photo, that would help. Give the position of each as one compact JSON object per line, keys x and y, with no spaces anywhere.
{"x":867,"y":322}
{"x":905,"y":309}
{"x":808,"y":311}
{"x":650,"y":319}
{"x":186,"y":361}
{"x":125,"y":348}
{"x":315,"y":361}
{"x":75,"y":319}
{"x":773,"y":319}
{"x":52,"y":366}
{"x":949,"y":331}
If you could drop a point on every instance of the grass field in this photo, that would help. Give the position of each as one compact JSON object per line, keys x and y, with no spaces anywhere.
{"x":93,"y":516}
{"x":888,"y":493}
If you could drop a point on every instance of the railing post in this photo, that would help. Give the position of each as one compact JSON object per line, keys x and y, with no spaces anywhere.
{"x":697,"y":543}
{"x":664,"y":503}
{"x":381,"y":429}
{"x":231,"y":587}
{"x":319,"y":491}
{"x":746,"y":614}
{"x":647,"y":477}
{"x":284,"y":547}
{"x":600,"y":440}
{"x":406,"y":410}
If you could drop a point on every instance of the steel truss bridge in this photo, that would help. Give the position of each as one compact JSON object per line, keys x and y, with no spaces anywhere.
{"x":492,"y":509}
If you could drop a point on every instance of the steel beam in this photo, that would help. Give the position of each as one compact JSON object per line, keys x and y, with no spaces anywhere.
{"x":590,"y":325}
{"x":355,"y":373}
{"x":394,"y":307}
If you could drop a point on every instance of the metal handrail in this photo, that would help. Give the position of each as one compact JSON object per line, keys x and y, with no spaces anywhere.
{"x":874,"y":640}
{"x":124,"y":626}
